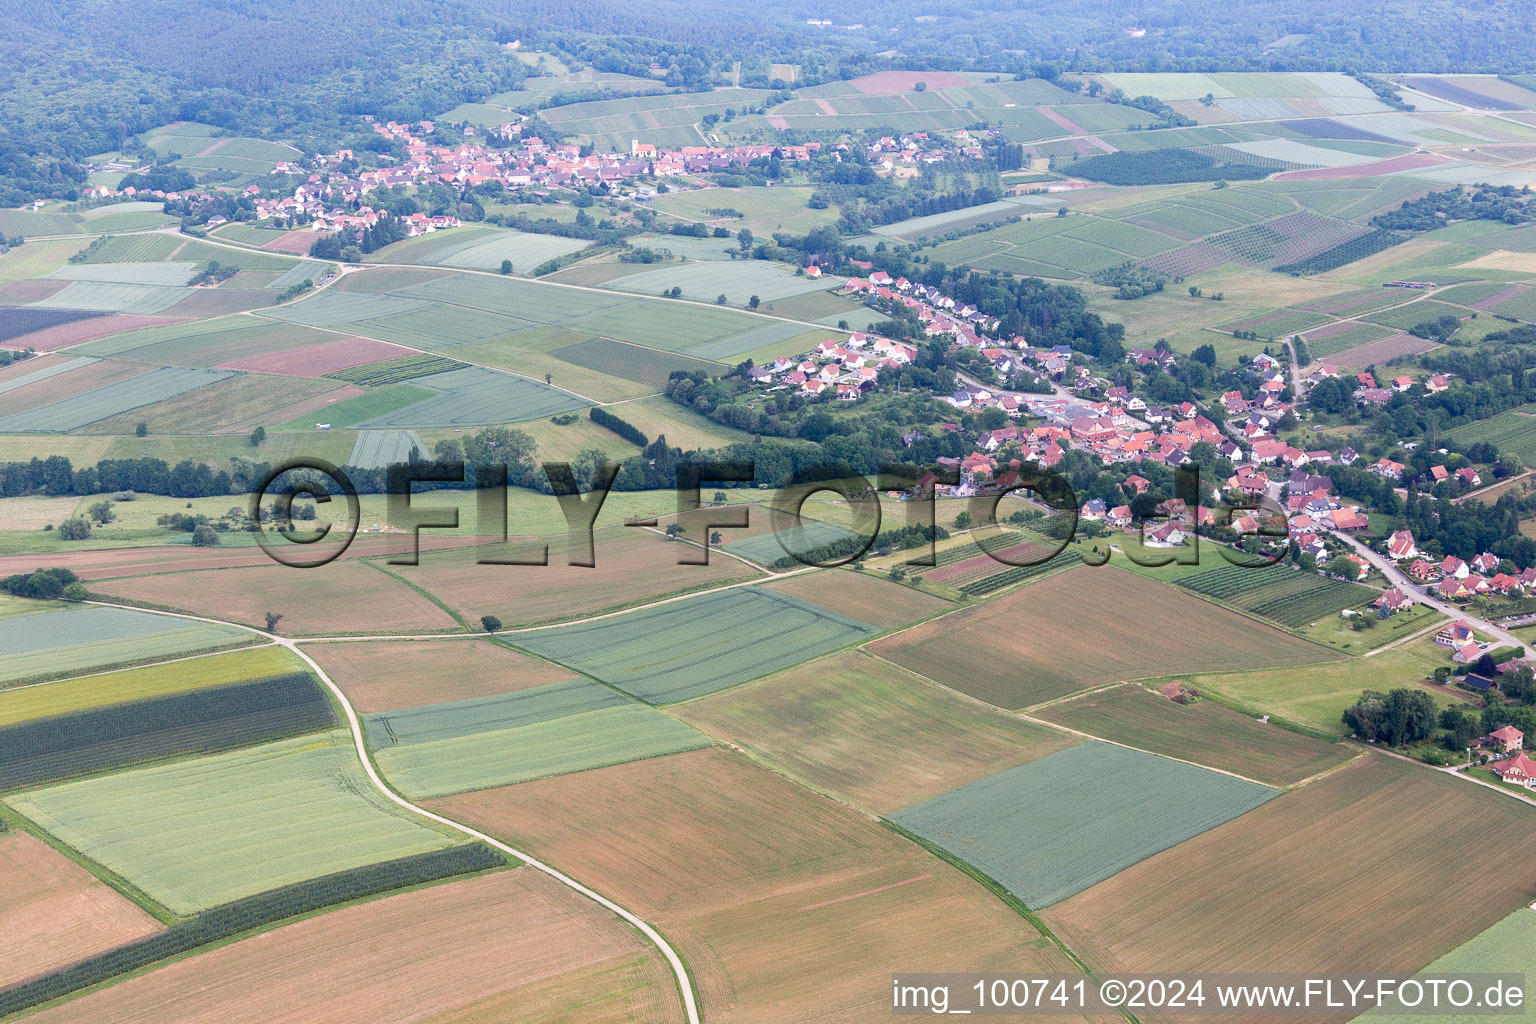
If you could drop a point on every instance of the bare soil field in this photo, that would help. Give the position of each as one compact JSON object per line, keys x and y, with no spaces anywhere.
{"x":318,"y":360}
{"x":1406,"y":162}
{"x":1206,"y":733}
{"x":788,"y":907}
{"x":294,"y":241}
{"x":439,"y":953}
{"x":346,"y":596}
{"x":1082,"y":628}
{"x":53,"y":911}
{"x":1310,"y":870}
{"x":633,"y":566}
{"x":864,"y":597}
{"x":386,"y":675}
{"x":868,"y":732}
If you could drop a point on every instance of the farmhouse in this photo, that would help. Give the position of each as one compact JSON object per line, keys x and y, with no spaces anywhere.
{"x":1506,"y":737}
{"x":1519,"y":770}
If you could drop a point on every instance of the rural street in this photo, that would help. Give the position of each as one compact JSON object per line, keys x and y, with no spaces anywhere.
{"x":1397,"y":578}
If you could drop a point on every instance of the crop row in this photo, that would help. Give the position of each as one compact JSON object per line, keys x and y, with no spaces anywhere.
{"x":1326,"y":598}
{"x":230,"y":919}
{"x":1231,"y":580}
{"x":199,"y":721}
{"x":1344,"y":253}
{"x":393,"y":371}
{"x":1015,"y":574}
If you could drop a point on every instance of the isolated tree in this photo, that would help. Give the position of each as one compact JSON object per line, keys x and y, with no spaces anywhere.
{"x":1194,"y":292}
{"x":720,"y":299}
{"x":257,"y":436}
{"x":753,"y":302}
{"x":142,"y":430}
{"x":101,"y":512}
{"x":719,"y":498}
{"x":715,"y":538}
{"x":673,"y":529}
{"x":506,"y":266}
{"x":744,"y":239}
{"x":75,"y":592}
{"x":490,"y":623}
{"x":898,"y":574}
{"x":75,"y":529}
{"x":963,"y":521}
{"x":920,"y":87}
{"x":273,"y":618}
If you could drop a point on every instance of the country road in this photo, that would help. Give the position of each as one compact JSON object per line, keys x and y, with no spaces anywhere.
{"x":354,"y":724}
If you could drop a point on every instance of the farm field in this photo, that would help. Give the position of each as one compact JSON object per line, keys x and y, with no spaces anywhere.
{"x":385,"y":675}
{"x":733,"y":636}
{"x":482,"y":742}
{"x":783,"y":903}
{"x":346,"y":596}
{"x":1513,"y":431}
{"x":110,"y":399}
{"x":1059,"y":637}
{"x":437,"y":953}
{"x":525,"y":250}
{"x":219,"y":407}
{"x":737,"y":280}
{"x":196,"y":833}
{"x":476,"y":396}
{"x":633,"y":566}
{"x":76,"y":640}
{"x":1031,"y":830}
{"x":1499,"y":948}
{"x":1377,"y":830}
{"x":1277,"y":593}
{"x":1206,"y":733}
{"x":630,"y":362}
{"x":28,"y":702}
{"x":1316,"y":695}
{"x":868,"y":732}
{"x":768,"y":549}
{"x":763,"y":211}
{"x":852,"y":593}
{"x":54,"y":911}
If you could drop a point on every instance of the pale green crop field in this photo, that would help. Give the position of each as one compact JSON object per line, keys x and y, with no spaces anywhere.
{"x":77,"y":640}
{"x":197,"y":833}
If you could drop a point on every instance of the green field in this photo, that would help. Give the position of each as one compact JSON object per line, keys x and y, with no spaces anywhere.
{"x":1053,"y":827}
{"x":1512,"y":431}
{"x":630,"y":362}
{"x":737,"y":280}
{"x":688,"y":648}
{"x":1504,"y":948}
{"x":113,"y":297}
{"x":1316,"y":695}
{"x":546,"y":730}
{"x":768,"y":548}
{"x":111,"y":399}
{"x":525,"y":250}
{"x":77,"y":640}
{"x":763,"y":211}
{"x":1205,"y":732}
{"x":201,"y":832}
{"x":28,"y":702}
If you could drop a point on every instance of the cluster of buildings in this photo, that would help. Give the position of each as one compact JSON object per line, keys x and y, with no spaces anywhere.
{"x":1455,"y":579}
{"x":1368,"y":392}
{"x":846,"y":369}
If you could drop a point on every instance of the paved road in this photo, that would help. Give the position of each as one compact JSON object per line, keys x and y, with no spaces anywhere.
{"x":1396,"y":576}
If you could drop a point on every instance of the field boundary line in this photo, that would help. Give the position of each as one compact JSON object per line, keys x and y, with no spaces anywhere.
{"x":152,"y":664}
{"x":354,"y":724}
{"x":1143,"y":750}
{"x":1328,"y":771}
{"x":1071,"y":697}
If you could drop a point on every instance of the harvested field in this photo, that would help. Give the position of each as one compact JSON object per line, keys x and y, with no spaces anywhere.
{"x":53,"y":911}
{"x":868,"y":732}
{"x":76,"y":640}
{"x":1392,"y":165}
{"x":81,"y":331}
{"x":384,"y":675}
{"x":1378,"y":833}
{"x":1053,"y":827}
{"x":37,"y":512}
{"x":1060,"y":635}
{"x":864,"y":597}
{"x":633,"y":566}
{"x":784,"y":904}
{"x":1206,"y":733}
{"x":346,"y":596}
{"x":571,"y":726}
{"x":439,"y":954}
{"x":1377,"y":353}
{"x":688,"y":648}
{"x":312,"y":408}
{"x":219,"y":407}
{"x":292,"y":241}
{"x":208,"y":830}
{"x":28,"y":702}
